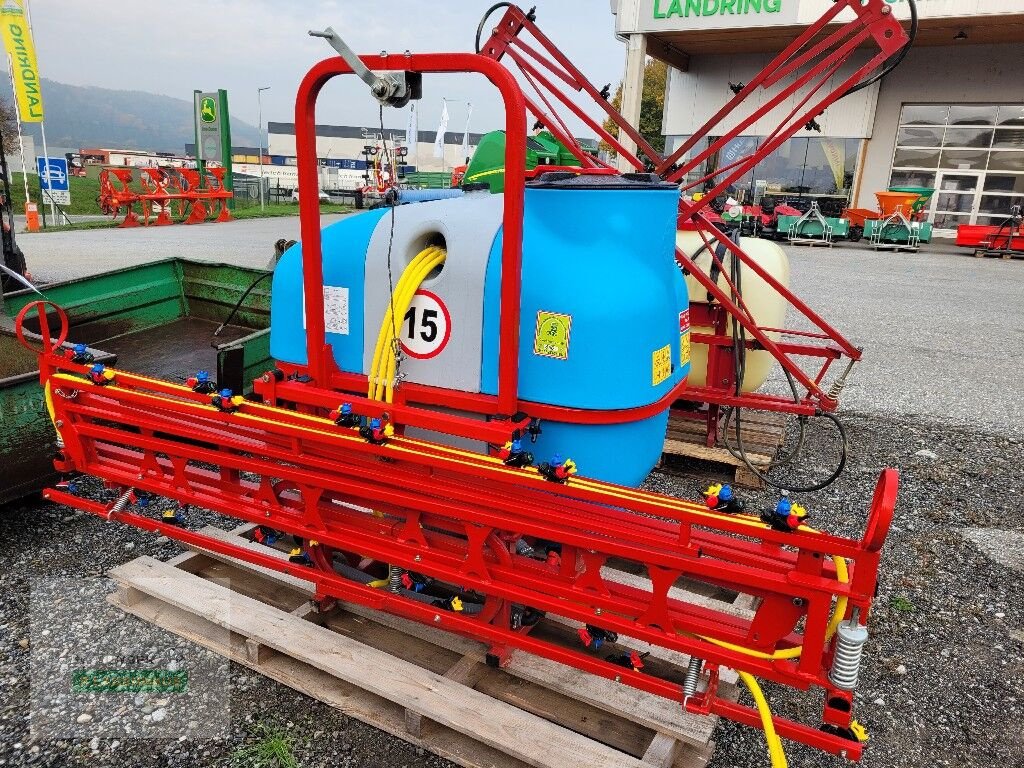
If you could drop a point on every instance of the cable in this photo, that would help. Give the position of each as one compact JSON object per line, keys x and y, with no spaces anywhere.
{"x":483,"y":21}
{"x":739,"y":350}
{"x":231,"y":315}
{"x":893,"y":61}
{"x":775,"y":751}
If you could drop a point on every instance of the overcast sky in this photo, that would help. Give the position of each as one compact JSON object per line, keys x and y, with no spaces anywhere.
{"x":175,"y":47}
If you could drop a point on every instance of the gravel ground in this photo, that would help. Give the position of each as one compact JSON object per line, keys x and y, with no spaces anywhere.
{"x":943,"y":684}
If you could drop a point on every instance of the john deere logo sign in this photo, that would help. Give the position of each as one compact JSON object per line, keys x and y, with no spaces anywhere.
{"x":668,"y":9}
{"x":208,"y":110}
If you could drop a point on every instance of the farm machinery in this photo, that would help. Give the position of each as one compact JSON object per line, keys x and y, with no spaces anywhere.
{"x":189,"y":194}
{"x":468,"y":392}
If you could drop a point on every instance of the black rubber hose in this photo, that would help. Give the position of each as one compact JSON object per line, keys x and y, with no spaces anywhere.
{"x":483,"y":21}
{"x":238,"y":305}
{"x":895,"y":60}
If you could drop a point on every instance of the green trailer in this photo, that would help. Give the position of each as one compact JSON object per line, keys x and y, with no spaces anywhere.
{"x":157,"y":319}
{"x":897,"y":233}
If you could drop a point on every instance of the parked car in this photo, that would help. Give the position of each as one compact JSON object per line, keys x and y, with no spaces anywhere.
{"x":324,"y":197}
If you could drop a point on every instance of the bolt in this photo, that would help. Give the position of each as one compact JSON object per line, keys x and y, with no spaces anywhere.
{"x":618,"y":678}
{"x":437,"y":618}
{"x":138,"y":477}
{"x":267,"y":513}
{"x":59,"y":422}
{"x":799,"y":602}
{"x":418,"y":558}
{"x":597,"y":611}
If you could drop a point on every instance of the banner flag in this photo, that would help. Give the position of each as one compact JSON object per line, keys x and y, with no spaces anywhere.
{"x":18,"y":43}
{"x":442,"y":128}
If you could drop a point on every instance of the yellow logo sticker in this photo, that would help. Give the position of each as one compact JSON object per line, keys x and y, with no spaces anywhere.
{"x":552,"y":336}
{"x":661,"y":365}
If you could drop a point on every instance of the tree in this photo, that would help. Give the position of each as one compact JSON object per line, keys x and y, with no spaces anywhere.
{"x":652,"y":106}
{"x":8,"y":126}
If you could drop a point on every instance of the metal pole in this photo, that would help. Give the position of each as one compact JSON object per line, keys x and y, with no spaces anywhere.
{"x":42,"y":131}
{"x":21,"y":137}
{"x":259,"y":129}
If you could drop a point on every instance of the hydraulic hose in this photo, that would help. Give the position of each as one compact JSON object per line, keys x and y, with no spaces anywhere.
{"x":385,"y":361}
{"x":483,"y":21}
{"x":894,"y":60}
{"x":775,"y":751}
{"x":843,"y":575}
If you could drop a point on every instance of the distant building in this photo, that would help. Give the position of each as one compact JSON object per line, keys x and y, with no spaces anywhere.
{"x":133,"y":158}
{"x":346,"y":142}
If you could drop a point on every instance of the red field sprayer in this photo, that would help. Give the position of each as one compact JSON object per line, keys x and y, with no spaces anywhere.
{"x":422,"y":500}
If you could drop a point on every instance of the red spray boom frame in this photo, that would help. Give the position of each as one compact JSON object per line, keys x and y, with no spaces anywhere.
{"x":808,"y":66}
{"x":457,"y":517}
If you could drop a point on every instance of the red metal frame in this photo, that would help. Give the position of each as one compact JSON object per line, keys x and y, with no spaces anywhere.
{"x":452,"y":516}
{"x":811,"y":63}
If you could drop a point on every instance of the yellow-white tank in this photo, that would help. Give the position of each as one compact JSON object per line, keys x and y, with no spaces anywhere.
{"x":765,"y":304}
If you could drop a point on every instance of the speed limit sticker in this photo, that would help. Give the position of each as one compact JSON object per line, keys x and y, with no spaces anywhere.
{"x":426,"y":327}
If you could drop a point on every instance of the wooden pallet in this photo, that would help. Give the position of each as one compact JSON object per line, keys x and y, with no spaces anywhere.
{"x":763,"y":434}
{"x":426,"y":686}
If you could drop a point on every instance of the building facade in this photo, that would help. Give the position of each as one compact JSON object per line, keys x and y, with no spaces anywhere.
{"x":950,"y":117}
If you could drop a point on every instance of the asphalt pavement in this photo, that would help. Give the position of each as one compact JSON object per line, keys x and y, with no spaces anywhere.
{"x":942,"y":331}
{"x":78,"y":253}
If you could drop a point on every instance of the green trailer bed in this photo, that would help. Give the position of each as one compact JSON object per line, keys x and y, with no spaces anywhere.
{"x":157,"y":319}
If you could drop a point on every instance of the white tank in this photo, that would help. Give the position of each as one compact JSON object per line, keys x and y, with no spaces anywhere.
{"x":765,"y":304}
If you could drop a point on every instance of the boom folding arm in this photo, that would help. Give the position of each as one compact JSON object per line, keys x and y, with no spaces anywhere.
{"x":806,"y":73}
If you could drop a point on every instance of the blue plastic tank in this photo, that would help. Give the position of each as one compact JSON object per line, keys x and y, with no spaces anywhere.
{"x":598,"y":258}
{"x":601,"y":316}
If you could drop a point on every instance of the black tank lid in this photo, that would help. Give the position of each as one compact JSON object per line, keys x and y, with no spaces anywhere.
{"x":568,"y":180}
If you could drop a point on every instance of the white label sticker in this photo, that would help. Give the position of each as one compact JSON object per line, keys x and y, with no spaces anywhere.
{"x":335,"y":310}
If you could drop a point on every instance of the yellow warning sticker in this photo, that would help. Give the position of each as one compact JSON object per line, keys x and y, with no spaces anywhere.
{"x":684,"y":338}
{"x":552,"y":336}
{"x":661,"y":365}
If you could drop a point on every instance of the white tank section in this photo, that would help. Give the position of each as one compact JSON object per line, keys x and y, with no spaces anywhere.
{"x":764,"y":302}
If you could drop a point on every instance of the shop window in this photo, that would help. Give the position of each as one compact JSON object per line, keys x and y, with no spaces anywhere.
{"x":1011,"y":115}
{"x":1007,"y":183}
{"x":920,"y":136}
{"x":1007,"y":161}
{"x":912,"y":179}
{"x":950,"y":220}
{"x":916,"y":158}
{"x":964,"y":159}
{"x":999,"y":204}
{"x":924,"y":115}
{"x":971,"y":114}
{"x":968,"y":137}
{"x":1009,"y":138}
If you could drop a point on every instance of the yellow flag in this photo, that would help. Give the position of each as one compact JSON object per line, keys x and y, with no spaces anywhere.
{"x":18,"y":43}
{"x":835,"y":153}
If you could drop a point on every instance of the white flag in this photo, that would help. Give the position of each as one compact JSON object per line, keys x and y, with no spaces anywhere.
{"x":412,"y":135}
{"x":441,"y":129}
{"x":465,"y":136}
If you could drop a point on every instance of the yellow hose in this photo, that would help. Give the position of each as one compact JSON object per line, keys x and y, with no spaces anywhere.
{"x":384,"y":365}
{"x":843,"y":574}
{"x":390,"y":321}
{"x":778,"y":756}
{"x":48,"y":399}
{"x":404,"y":300}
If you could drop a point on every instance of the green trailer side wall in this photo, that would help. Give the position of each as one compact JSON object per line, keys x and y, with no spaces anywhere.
{"x":109,"y":308}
